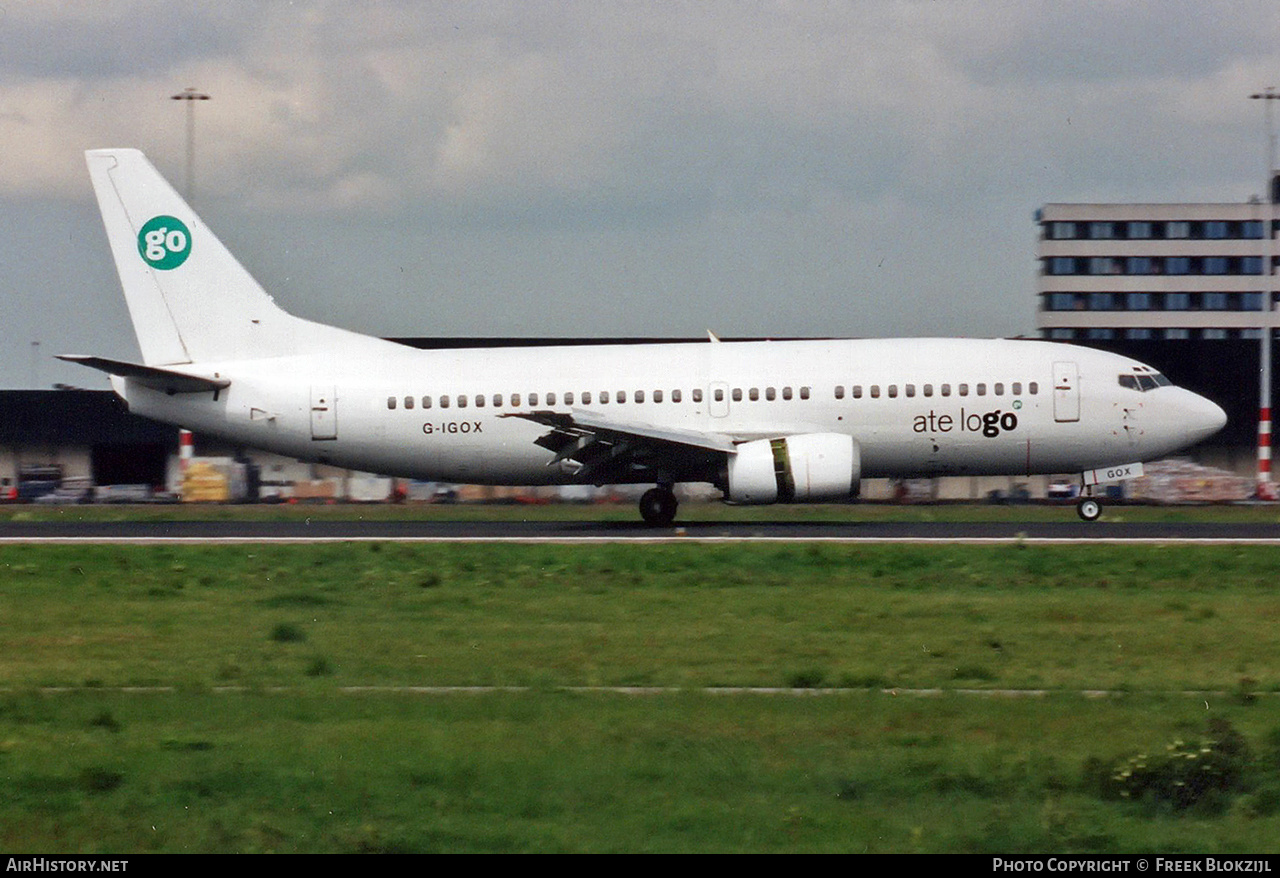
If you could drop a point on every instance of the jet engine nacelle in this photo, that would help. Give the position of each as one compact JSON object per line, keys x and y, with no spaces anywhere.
{"x":810,"y":466}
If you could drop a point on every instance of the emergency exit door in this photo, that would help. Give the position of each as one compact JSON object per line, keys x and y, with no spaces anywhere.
{"x":324,"y":412}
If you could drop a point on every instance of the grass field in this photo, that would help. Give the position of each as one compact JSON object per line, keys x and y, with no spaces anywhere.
{"x":244,"y":698}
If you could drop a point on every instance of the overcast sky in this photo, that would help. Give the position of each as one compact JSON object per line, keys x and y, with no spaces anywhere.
{"x":494,"y":168}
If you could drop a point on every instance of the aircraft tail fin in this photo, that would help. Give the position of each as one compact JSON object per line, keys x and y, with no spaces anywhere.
{"x":190,"y":300}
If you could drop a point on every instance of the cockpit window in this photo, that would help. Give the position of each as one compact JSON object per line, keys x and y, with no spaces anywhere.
{"x":1144,"y":382}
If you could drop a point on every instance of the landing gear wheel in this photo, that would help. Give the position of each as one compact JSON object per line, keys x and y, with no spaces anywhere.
{"x":658,"y":507}
{"x":1089,"y":509}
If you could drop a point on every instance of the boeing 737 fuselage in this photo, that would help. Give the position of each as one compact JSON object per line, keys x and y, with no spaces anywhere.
{"x":765,"y":422}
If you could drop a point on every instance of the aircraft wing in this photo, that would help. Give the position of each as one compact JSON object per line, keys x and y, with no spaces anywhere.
{"x":609,"y":449}
{"x":167,"y":380}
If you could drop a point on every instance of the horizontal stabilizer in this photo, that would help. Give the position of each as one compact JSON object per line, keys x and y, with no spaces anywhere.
{"x":155,"y":377}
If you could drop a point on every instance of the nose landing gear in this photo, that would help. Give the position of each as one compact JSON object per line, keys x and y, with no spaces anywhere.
{"x":1089,"y":509}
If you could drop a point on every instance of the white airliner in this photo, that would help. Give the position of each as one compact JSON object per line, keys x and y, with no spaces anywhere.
{"x":765,"y":422}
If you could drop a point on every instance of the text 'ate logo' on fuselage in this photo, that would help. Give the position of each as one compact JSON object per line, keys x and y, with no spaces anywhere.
{"x":164,"y":242}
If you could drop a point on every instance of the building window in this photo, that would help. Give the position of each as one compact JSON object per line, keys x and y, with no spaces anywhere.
{"x":1138,"y":334}
{"x":1251,"y":265}
{"x":1138,"y":301}
{"x":1177,"y":301}
{"x":1252,"y":230}
{"x":1213,"y":301}
{"x":1104,"y":265}
{"x":1100,"y":334}
{"x":1215,"y":229}
{"x":1139,"y":229}
{"x":1177,"y":334}
{"x":1215,"y":265}
{"x":1177,"y":229}
{"x":1251,"y":301}
{"x":1102,"y":301}
{"x":1177,"y":265}
{"x":1061,"y":231}
{"x":1062,"y":334}
{"x":1140,"y":265}
{"x":1061,"y":302}
{"x":1214,"y":334}
{"x":1062,"y":265}
{"x":1100,"y":231}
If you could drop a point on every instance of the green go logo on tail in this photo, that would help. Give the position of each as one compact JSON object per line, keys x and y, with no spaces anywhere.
{"x":164,"y":242}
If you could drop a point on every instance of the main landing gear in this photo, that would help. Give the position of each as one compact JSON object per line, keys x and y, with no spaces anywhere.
{"x":658,"y":506}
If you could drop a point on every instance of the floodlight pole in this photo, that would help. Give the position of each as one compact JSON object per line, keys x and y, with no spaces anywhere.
{"x":191,"y":95}
{"x":186,"y":440}
{"x":1266,"y":490}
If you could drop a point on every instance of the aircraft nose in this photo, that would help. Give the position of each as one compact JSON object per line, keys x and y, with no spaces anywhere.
{"x":1204,"y":417}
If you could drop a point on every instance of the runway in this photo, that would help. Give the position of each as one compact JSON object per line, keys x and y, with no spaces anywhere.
{"x":569,"y":532}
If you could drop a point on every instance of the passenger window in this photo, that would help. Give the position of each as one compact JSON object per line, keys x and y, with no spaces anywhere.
{"x":697,"y":394}
{"x":839,"y":391}
{"x":639,"y":396}
{"x":719,"y":395}
{"x":1033,"y":388}
{"x":515,"y":400}
{"x":604,"y":397}
{"x":551,"y":399}
{"x":497,"y":400}
{"x":657,"y":396}
{"x":391,"y":402}
{"x":804,"y":392}
{"x":462,"y":401}
{"x":928,"y":390}
{"x":408,"y":402}
{"x":875,"y":391}
{"x":982,"y":389}
{"x":964,"y":389}
{"x":479,"y":400}
{"x":754,"y":394}
{"x":1017,"y":388}
{"x":621,"y":396}
{"x":857,"y":391}
{"x":893,"y":391}
{"x":426,"y":402}
{"x":568,"y":398}
{"x":737,"y":394}
{"x":999,"y":391}
{"x":946,"y":390}
{"x":911,"y":390}
{"x":586,"y":397}
{"x":675,"y":396}
{"x":770,"y":394}
{"x":786,"y":393}
{"x":444,"y":401}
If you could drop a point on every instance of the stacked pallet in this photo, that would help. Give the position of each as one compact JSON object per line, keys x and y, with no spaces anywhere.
{"x":1181,"y":481}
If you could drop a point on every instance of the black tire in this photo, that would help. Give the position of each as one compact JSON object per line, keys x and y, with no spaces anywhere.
{"x":1089,"y":509}
{"x":658,"y":507}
